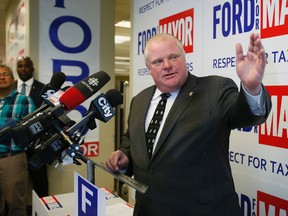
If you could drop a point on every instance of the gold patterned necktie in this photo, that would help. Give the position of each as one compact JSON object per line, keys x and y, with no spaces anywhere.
{"x":155,"y":123}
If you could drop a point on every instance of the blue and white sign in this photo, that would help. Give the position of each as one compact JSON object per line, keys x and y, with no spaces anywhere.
{"x":89,"y":200}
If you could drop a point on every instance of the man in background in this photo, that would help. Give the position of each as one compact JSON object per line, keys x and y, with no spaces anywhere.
{"x":33,"y":89}
{"x":13,"y":160}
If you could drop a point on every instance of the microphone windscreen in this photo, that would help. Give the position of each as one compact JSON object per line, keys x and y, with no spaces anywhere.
{"x":57,"y":79}
{"x":65,"y":88}
{"x":56,"y":82}
{"x":84,"y":89}
{"x":114,"y":97}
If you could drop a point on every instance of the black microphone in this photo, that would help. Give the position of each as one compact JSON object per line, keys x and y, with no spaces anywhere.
{"x":40,"y":122}
{"x":48,"y":93}
{"x":104,"y":103}
{"x":57,"y":80}
{"x":52,"y":147}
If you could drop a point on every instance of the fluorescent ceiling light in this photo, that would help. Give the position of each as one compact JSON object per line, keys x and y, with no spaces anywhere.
{"x":121,"y":63}
{"x":121,"y":39}
{"x":122,"y":58}
{"x":121,"y":70}
{"x":123,"y":24}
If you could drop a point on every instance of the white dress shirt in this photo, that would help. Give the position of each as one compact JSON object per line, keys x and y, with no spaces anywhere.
{"x":28,"y":85}
{"x":153,"y":104}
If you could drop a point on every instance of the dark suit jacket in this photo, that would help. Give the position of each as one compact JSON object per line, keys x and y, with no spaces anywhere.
{"x":35,"y":92}
{"x":189,"y":173}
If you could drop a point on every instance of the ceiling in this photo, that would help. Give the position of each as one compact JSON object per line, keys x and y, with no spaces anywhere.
{"x":122,"y":12}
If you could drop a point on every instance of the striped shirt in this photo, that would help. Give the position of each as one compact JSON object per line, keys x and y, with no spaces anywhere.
{"x":14,"y":107}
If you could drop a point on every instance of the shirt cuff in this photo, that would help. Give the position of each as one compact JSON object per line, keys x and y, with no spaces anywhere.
{"x":256,"y":103}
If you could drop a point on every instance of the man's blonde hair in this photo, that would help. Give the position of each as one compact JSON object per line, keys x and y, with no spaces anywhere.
{"x":162,"y":37}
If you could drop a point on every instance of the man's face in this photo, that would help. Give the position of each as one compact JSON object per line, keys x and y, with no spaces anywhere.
{"x":167,"y":65}
{"x":24,"y":69}
{"x":6,"y":78}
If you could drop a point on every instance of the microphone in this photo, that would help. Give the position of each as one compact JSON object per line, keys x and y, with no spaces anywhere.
{"x":57,"y":80}
{"x":100,"y":108}
{"x":48,"y":90}
{"x":48,"y":93}
{"x":103,"y":104}
{"x":84,"y":89}
{"x":43,"y":122}
{"x":52,"y":147}
{"x":114,"y":97}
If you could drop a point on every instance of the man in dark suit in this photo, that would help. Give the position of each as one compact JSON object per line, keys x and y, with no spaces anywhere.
{"x":33,"y":89}
{"x":189,"y":172}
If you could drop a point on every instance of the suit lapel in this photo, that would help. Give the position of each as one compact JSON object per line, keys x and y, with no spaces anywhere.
{"x":33,"y":91}
{"x":183,"y":99}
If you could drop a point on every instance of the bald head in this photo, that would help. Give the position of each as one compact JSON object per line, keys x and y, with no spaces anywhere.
{"x":25,"y":68}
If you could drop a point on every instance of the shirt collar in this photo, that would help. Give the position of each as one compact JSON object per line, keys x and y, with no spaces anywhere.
{"x":10,"y":95}
{"x":28,"y":82}
{"x":157,"y":94}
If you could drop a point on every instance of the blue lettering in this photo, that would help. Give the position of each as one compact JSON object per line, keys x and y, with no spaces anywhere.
{"x":226,"y":14}
{"x":58,"y":64}
{"x":236,"y":157}
{"x":257,"y":23}
{"x":224,"y":62}
{"x":59,"y":4}
{"x":216,"y":20}
{"x":257,"y":162}
{"x":245,"y":204}
{"x":53,"y":34}
{"x":280,"y":56}
{"x":249,"y":15}
{"x":236,"y":17}
{"x":143,"y":37}
{"x":190,"y":66}
{"x":249,"y":129}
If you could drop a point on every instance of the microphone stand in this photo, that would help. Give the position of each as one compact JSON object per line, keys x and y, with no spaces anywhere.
{"x":77,"y":130}
{"x":75,"y":152}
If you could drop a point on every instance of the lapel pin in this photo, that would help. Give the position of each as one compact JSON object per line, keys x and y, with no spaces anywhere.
{"x":190,"y":94}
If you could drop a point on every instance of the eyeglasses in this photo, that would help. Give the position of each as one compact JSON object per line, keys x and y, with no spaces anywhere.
{"x":5,"y":74}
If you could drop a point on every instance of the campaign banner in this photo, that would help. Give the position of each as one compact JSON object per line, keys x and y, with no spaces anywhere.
{"x":16,"y":35}
{"x":69,"y":42}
